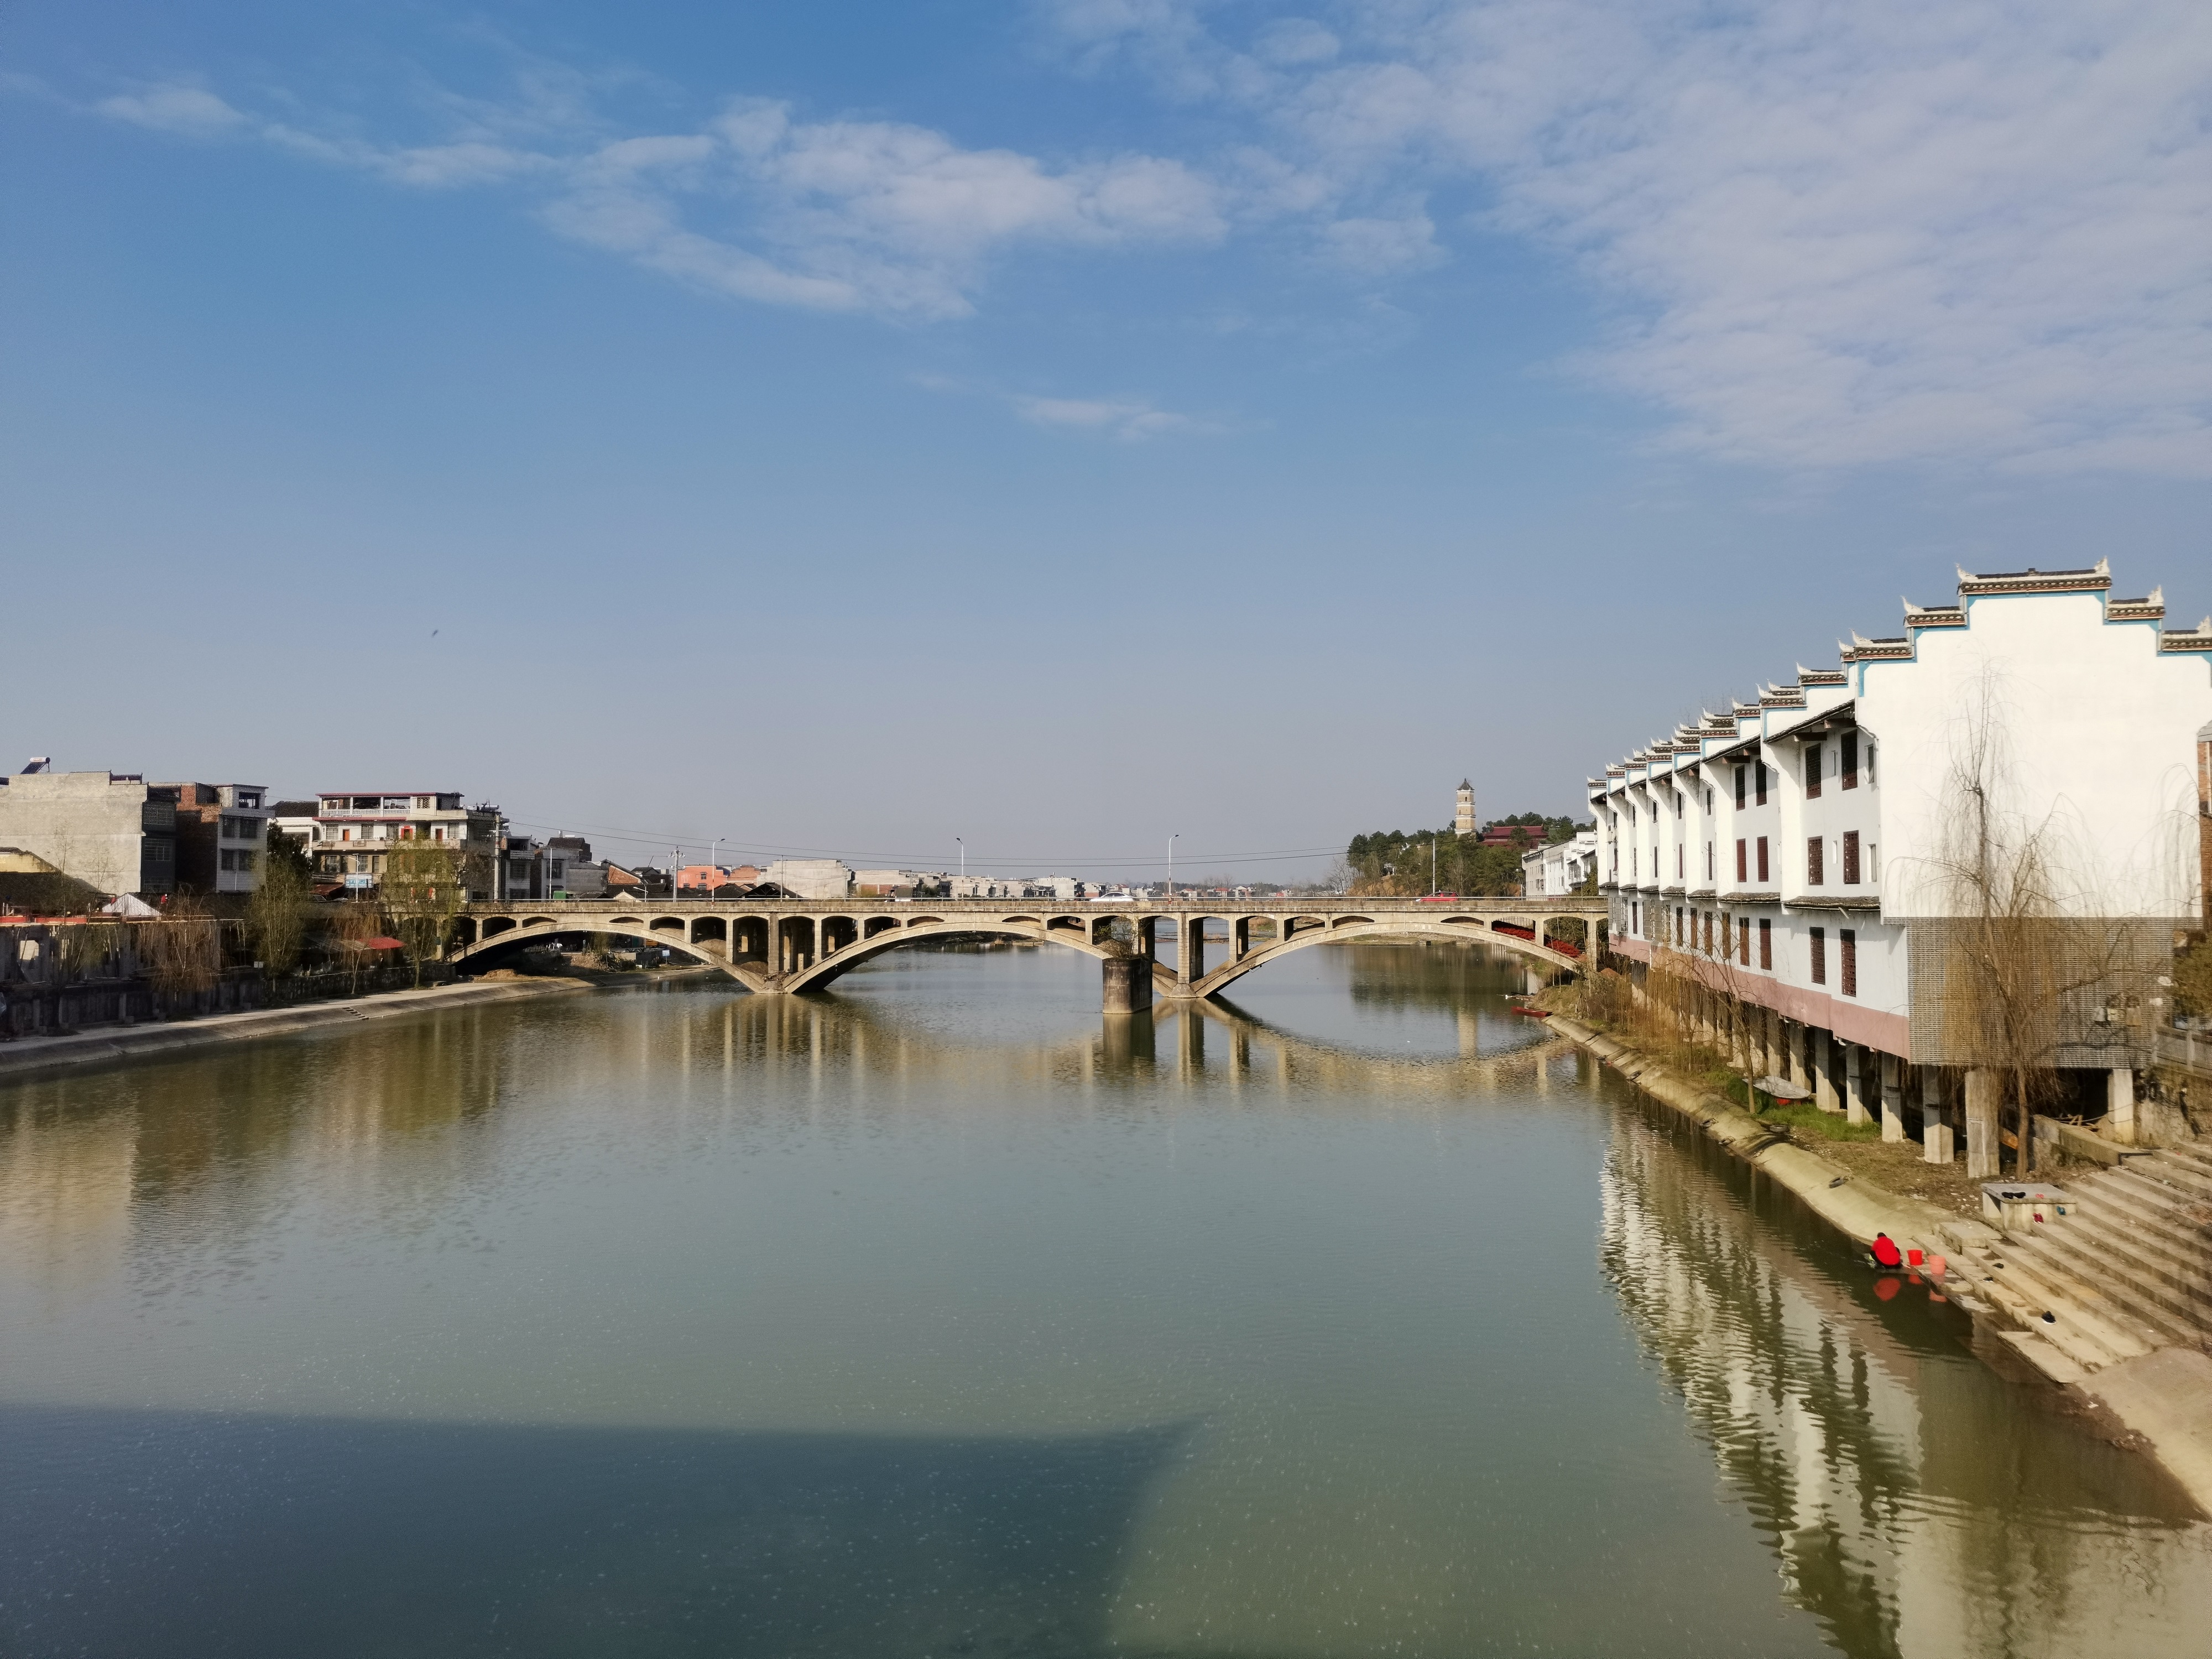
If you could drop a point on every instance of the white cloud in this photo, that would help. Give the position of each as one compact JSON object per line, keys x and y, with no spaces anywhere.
{"x":1834,"y":234}
{"x":189,"y":111}
{"x":1827,"y":234}
{"x":856,"y":216}
{"x":1118,"y":417}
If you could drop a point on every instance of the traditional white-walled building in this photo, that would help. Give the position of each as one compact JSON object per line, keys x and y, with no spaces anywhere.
{"x":1563,"y":867}
{"x":1799,"y":856}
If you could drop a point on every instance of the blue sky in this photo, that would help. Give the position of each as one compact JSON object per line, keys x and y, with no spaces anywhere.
{"x":1058,"y":424}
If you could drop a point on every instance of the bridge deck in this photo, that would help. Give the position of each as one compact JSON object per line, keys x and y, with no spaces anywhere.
{"x":798,"y":945}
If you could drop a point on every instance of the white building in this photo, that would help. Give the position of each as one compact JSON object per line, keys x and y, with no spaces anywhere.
{"x":812,"y":879}
{"x":1564,"y":867}
{"x":1798,"y":858}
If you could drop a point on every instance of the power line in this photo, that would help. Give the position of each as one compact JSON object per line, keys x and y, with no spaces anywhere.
{"x":663,"y":838}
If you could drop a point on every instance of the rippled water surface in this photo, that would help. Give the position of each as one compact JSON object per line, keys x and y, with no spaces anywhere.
{"x":936,"y":1317}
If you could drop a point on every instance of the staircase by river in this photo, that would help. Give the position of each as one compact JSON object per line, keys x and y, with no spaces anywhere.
{"x":2127,"y":1269}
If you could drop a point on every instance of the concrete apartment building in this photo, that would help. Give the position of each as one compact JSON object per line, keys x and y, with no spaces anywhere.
{"x":111,"y":831}
{"x":558,"y":868}
{"x":353,"y":829}
{"x":812,"y":879}
{"x":223,"y":830}
{"x":1807,"y":863}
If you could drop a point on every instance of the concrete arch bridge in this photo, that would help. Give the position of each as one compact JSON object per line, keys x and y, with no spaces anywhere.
{"x":778,"y":946}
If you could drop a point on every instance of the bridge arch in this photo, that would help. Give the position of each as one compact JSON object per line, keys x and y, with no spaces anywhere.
{"x":517,"y":934}
{"x":1456,"y":930}
{"x":921,"y":928}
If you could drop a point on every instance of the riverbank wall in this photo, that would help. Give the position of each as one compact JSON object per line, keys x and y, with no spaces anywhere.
{"x":1847,"y":1201}
{"x":114,"y":1044}
{"x":2161,"y":1401}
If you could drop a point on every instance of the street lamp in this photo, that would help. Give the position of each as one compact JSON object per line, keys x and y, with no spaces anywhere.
{"x":1171,"y":842}
{"x":964,"y":857}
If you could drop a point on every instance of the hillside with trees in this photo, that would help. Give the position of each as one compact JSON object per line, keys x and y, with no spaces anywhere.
{"x":1396,"y":863}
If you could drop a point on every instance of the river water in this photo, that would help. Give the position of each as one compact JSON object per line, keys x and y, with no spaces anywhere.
{"x":935,"y":1317}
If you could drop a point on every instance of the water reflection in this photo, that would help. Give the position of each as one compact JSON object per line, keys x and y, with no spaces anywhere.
{"x":1918,"y":1503}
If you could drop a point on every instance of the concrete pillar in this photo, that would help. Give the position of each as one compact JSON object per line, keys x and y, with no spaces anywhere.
{"x":1893,"y":1097}
{"x":1984,"y":1090}
{"x":1826,"y":1095}
{"x":1937,"y":1140}
{"x":1240,"y":939}
{"x":1855,"y":1084}
{"x":2120,"y":1122}
{"x":1190,"y":954}
{"x":1127,"y":982}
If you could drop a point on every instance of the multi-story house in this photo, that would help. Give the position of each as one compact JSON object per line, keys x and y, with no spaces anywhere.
{"x":222,"y":831}
{"x":1848,"y":875}
{"x":1565,"y":866}
{"x":354,"y":828}
{"x":111,"y":831}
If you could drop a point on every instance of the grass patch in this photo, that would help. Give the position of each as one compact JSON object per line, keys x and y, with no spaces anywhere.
{"x":1803,"y":1114}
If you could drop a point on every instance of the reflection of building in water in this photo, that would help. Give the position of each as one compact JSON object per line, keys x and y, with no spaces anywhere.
{"x":65,"y":1188}
{"x":1888,"y":1469}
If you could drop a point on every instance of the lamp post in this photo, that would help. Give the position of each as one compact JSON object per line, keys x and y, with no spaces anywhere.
{"x":964,"y":857}
{"x":1171,"y":842}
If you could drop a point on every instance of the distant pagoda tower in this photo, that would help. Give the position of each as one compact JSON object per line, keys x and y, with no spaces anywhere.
{"x":1463,"y":817}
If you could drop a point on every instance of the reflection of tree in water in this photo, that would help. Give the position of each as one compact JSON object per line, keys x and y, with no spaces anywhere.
{"x":1447,"y":976}
{"x":1919,"y":1504}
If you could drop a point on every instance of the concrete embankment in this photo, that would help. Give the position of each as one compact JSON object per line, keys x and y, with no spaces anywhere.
{"x":2161,"y":1399}
{"x":30,"y":1056}
{"x":1844,"y":1200}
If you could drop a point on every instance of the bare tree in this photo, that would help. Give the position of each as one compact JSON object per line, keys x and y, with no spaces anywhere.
{"x":425,"y":891}
{"x":182,"y":951}
{"x":2025,"y":963}
{"x":277,"y":913}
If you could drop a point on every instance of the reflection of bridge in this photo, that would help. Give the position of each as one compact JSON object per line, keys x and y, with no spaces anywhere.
{"x":793,"y":945}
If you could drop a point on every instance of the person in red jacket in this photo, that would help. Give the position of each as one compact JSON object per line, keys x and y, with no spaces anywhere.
{"x":1887,"y":1255}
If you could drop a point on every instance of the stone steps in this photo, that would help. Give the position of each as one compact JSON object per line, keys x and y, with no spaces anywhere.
{"x":2106,"y":1284}
{"x":2089,"y":1342}
{"x":2183,"y":1280}
{"x":2184,"y":1175}
{"x":2151,"y":1206}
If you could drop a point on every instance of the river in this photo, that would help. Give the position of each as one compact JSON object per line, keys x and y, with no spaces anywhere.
{"x":935,"y":1317}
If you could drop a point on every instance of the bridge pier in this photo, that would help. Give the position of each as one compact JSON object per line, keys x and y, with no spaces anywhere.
{"x":1127,"y":984}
